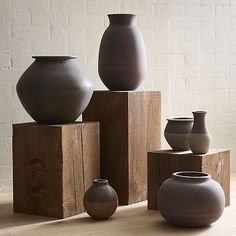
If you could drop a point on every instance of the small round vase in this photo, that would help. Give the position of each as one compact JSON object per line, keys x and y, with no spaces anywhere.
{"x":54,"y":89}
{"x":122,"y":55}
{"x":191,"y":199}
{"x":200,"y":138}
{"x":100,"y":200}
{"x":177,"y":133}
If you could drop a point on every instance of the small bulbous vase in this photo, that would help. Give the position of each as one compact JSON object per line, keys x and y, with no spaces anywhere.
{"x":100,"y":200}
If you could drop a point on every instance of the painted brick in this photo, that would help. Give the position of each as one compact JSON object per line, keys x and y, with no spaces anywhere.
{"x":232,"y":94}
{"x":222,"y":11}
{"x":30,"y":33}
{"x":144,"y":9}
{"x":232,"y":117}
{"x":46,"y":47}
{"x":21,"y":19}
{"x":162,"y":11}
{"x":5,"y":61}
{"x":5,"y":32}
{"x":182,"y":23}
{"x":190,"y":44}
{"x":222,"y":59}
{"x":29,"y":5}
{"x":200,"y":84}
{"x":221,"y":84}
{"x":207,"y":35}
{"x":40,"y":19}
{"x":77,"y":34}
{"x":19,"y":46}
{"x":206,"y":23}
{"x":207,"y":59}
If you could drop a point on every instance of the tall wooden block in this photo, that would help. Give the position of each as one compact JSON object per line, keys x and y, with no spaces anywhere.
{"x":130,"y":124}
{"x":162,"y":163}
{"x":53,"y":166}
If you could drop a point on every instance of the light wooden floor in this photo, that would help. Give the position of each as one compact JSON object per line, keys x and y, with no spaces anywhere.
{"x":128,"y":220}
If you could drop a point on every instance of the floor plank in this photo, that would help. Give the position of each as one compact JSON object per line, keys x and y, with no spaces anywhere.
{"x":128,"y":220}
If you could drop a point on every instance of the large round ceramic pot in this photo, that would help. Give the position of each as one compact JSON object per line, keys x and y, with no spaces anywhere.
{"x":191,"y":199}
{"x":177,"y":133}
{"x":122,"y":59}
{"x":54,"y":89}
{"x":100,"y":200}
{"x":200,"y":138}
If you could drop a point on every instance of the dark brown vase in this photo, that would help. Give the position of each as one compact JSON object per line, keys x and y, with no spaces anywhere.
{"x":54,"y":89}
{"x":122,"y":59}
{"x":100,"y":200}
{"x":200,"y":138}
{"x":191,"y":198}
{"x":177,"y":133}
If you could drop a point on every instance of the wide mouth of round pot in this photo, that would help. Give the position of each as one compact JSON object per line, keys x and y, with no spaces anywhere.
{"x":191,"y":175}
{"x":200,"y":112}
{"x":121,"y":14}
{"x":100,"y":181}
{"x":181,"y":119}
{"x":52,"y":58}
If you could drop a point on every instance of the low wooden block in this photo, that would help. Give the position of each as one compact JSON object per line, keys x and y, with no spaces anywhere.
{"x":130,"y":126}
{"x":162,"y":163}
{"x":53,"y":166}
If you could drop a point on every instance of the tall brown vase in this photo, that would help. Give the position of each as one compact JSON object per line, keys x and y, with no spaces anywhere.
{"x":122,"y":59}
{"x":199,"y":138}
{"x":54,"y":89}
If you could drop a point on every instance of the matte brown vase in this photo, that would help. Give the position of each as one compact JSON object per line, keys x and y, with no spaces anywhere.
{"x":100,"y":200}
{"x":177,"y":133}
{"x":54,"y":89}
{"x":200,"y":138}
{"x":122,"y":59}
{"x":191,"y":199}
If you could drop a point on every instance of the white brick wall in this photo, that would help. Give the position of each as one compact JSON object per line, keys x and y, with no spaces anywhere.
{"x":191,"y":54}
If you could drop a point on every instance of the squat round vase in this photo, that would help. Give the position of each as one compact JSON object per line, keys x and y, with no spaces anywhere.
{"x":191,"y":199}
{"x":200,"y":138}
{"x":122,"y":56}
{"x":100,"y":200}
{"x":54,"y":89}
{"x":177,"y":133}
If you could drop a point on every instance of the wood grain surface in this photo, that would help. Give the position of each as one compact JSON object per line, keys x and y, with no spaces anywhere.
{"x":53,"y":165}
{"x":130,"y":124}
{"x":162,"y":163}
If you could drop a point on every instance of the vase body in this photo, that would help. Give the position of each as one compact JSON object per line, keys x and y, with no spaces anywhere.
{"x":100,"y":200}
{"x":199,"y":139}
{"x":122,"y":57}
{"x":54,"y":90}
{"x":177,"y":133}
{"x":191,"y":199}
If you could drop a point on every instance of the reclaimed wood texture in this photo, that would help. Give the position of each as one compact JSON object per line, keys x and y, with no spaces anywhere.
{"x":130,"y":124}
{"x":53,"y":166}
{"x":162,"y":163}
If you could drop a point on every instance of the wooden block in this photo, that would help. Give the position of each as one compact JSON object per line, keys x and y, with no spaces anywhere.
{"x":130,"y":126}
{"x":162,"y":163}
{"x":53,"y":166}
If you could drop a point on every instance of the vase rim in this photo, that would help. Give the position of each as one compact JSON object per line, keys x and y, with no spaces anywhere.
{"x":121,"y":14}
{"x":191,"y":175}
{"x":53,"y":57}
{"x":100,"y":181}
{"x":200,"y":112}
{"x":181,"y":119}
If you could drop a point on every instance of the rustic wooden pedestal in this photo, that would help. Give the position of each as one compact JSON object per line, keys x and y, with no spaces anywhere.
{"x":130,"y":124}
{"x":162,"y":163}
{"x":53,"y":166}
